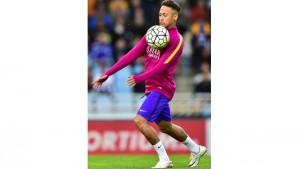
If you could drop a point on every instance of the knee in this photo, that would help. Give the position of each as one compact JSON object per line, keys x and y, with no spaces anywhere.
{"x":139,"y":121}
{"x":165,"y":129}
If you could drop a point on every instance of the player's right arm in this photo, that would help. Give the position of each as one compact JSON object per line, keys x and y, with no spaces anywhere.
{"x":138,"y":50}
{"x":99,"y":81}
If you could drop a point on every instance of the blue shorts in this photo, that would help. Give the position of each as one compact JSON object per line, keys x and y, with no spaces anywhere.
{"x":155,"y":108}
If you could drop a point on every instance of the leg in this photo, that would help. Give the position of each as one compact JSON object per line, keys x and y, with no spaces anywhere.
{"x":173,"y":130}
{"x":164,"y":122}
{"x":179,"y":134}
{"x":166,"y":126}
{"x":148,"y":112}
{"x":142,"y":124}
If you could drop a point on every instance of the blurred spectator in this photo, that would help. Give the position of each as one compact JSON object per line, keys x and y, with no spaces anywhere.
{"x":208,"y":4}
{"x":201,"y":28}
{"x":135,"y":3}
{"x":138,"y":19}
{"x":119,"y":26}
{"x":118,"y":8}
{"x":151,"y":10}
{"x":205,"y":85}
{"x":98,"y":19}
{"x":186,"y":54}
{"x":201,"y":38}
{"x":121,"y":48}
{"x":92,"y":21}
{"x":138,"y":68}
{"x":91,"y":7}
{"x":102,"y":50}
{"x":202,"y":80}
{"x":199,"y":10}
{"x":104,"y":18}
{"x":184,"y":20}
{"x":206,"y":52}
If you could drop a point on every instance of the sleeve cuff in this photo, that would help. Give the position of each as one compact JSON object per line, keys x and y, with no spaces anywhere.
{"x":137,"y":79}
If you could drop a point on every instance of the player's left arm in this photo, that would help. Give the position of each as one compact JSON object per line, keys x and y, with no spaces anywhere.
{"x":170,"y":55}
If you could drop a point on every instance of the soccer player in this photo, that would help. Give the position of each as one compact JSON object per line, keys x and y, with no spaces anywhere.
{"x":160,"y":87}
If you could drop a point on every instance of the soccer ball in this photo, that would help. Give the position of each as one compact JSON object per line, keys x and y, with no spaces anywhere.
{"x":157,"y":36}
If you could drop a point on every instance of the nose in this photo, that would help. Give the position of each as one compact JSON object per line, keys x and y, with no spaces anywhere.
{"x":161,"y":20}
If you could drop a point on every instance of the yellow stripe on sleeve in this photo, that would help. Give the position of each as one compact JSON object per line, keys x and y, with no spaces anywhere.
{"x":174,"y":52}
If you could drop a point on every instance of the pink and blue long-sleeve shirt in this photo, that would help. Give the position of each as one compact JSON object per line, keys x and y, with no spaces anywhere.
{"x":160,"y":64}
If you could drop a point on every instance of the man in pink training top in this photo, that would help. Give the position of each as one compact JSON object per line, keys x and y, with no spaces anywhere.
{"x":160,"y":87}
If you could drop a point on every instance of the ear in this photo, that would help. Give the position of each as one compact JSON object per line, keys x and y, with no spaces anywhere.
{"x":175,"y":16}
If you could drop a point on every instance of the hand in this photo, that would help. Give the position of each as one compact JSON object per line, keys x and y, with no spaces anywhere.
{"x":98,"y":82}
{"x":130,"y":81}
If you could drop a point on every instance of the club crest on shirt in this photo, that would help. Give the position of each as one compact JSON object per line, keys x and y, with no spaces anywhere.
{"x":152,"y":52}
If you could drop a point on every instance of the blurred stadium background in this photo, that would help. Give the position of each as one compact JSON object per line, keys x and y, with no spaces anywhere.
{"x":114,"y":27}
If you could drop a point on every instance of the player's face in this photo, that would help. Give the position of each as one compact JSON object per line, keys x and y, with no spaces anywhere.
{"x":167,"y":17}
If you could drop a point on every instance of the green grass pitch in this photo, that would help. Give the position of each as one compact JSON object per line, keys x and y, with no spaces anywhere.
{"x":141,"y":161}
